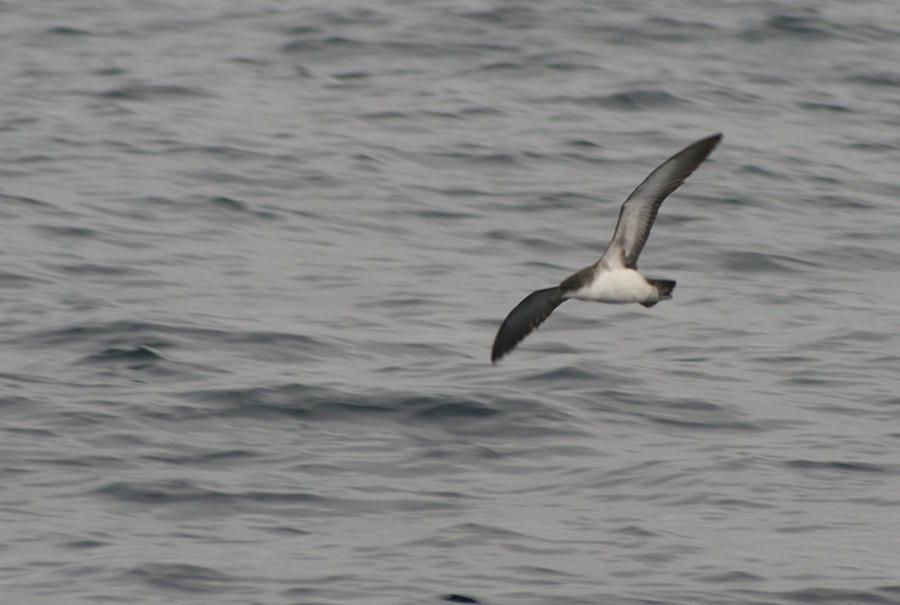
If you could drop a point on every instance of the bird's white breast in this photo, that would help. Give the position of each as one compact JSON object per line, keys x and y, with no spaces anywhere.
{"x":617,"y":286}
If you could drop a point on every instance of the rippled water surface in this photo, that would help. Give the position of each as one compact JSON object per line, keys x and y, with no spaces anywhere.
{"x":255,"y":253}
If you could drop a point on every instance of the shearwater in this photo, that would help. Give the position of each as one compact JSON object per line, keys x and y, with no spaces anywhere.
{"x":614,"y":278}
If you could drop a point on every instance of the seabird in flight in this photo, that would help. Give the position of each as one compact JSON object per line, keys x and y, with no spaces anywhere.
{"x":614,"y":278}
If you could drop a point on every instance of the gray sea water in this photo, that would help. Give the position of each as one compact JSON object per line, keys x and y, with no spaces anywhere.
{"x":254,"y":255}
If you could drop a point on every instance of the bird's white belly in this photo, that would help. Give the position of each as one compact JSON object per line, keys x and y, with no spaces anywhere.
{"x":617,"y":286}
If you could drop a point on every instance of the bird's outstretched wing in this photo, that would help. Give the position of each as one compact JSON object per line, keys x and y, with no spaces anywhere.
{"x":521,"y":321}
{"x":639,"y":210}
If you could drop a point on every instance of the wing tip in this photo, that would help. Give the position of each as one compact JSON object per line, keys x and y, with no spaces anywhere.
{"x":500,"y":350}
{"x":496,"y":356}
{"x":712,"y":140}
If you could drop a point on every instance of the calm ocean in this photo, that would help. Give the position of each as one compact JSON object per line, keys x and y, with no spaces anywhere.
{"x":254,"y":255}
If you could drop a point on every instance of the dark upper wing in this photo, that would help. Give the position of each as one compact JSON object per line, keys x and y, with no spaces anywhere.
{"x":639,"y":210}
{"x":528,"y":315}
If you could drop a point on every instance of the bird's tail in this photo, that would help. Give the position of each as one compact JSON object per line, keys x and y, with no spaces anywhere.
{"x":664,"y":287}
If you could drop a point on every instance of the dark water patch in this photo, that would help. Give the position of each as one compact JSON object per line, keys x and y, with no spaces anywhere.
{"x":87,"y":462}
{"x":846,"y":336}
{"x":305,"y":46}
{"x":25,"y":202}
{"x":443,"y":216}
{"x":480,"y":159}
{"x":10,"y":402}
{"x":285,"y":530}
{"x":635,"y":531}
{"x":785,"y":360}
{"x":351,"y":75}
{"x":302,"y":30}
{"x":94,"y":269}
{"x":481,"y":110}
{"x":730,"y":198}
{"x":88,"y":418}
{"x":559,"y":199}
{"x":264,"y":345}
{"x":458,"y":191}
{"x":445,"y":49}
{"x":758,"y":262}
{"x":256,"y":403}
{"x":568,"y":375}
{"x":470,"y":534}
{"x":757,"y":170}
{"x":455,"y":410}
{"x":67,"y":31}
{"x":534,"y":244}
{"x":824,"y":107}
{"x":67,"y":231}
{"x":862,"y":257}
{"x":889,"y":503}
{"x":214,"y":458}
{"x":873,"y":147}
{"x":694,"y":405}
{"x":803,"y":529}
{"x":137,"y":355}
{"x":30,"y":432}
{"x":668,"y":30}
{"x":12,"y":124}
{"x":226,"y":206}
{"x":284,"y":341}
{"x":641,"y":32}
{"x":583,"y":144}
{"x":842,"y":202}
{"x":18,"y":280}
{"x":631,"y":100}
{"x":154,"y":92}
{"x":106,"y":332}
{"x":719,"y":421}
{"x":565,"y":66}
{"x":83,"y":544}
{"x":110,"y":71}
{"x":512,"y":17}
{"x":188,"y":500}
{"x":407,"y":302}
{"x":675,"y":24}
{"x":713,"y":502}
{"x":181,"y":491}
{"x":803,"y":27}
{"x":731,"y":577}
{"x":820,"y":379}
{"x":839,"y":596}
{"x":487,"y":414}
{"x":182,"y":577}
{"x":614,"y":398}
{"x":218,"y":152}
{"x":837,"y":466}
{"x":695,"y":354}
{"x":459,"y":598}
{"x":440,"y":115}
{"x":359,"y":15}
{"x":625,"y":475}
{"x":563,"y":60}
{"x":887,"y":79}
{"x":687,"y":414}
{"x":290,"y":400}
{"x":321,"y":589}
{"x":385,"y":115}
{"x":577,"y":157}
{"x":501,"y":66}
